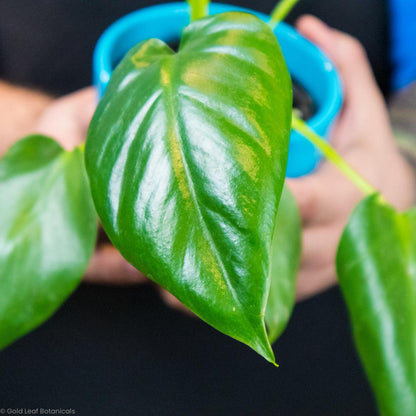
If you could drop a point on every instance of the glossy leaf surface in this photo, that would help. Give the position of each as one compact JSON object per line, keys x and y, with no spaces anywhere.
{"x":285,"y":260}
{"x":376,"y":264}
{"x":187,"y":155}
{"x":47,"y":232}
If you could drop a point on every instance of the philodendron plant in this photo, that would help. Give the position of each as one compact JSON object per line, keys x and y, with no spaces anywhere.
{"x":185,"y":164}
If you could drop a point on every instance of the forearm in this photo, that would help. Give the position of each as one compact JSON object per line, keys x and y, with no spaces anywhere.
{"x":20,"y":108}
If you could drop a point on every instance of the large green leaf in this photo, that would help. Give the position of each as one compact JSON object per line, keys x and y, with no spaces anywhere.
{"x":47,"y":232}
{"x":285,"y":260}
{"x":376,"y":264}
{"x":186,"y":155}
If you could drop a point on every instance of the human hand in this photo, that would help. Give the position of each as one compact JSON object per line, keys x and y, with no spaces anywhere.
{"x":108,"y":266}
{"x":362,"y":136}
{"x":66,"y":119}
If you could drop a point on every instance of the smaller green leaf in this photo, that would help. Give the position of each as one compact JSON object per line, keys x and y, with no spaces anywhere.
{"x":376,"y":264}
{"x":47,"y":232}
{"x":285,"y":260}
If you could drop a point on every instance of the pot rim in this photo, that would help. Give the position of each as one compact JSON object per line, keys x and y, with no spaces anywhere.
{"x":321,"y":80}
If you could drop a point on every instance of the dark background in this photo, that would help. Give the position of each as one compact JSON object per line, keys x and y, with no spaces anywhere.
{"x":121,"y":351}
{"x":49,"y":43}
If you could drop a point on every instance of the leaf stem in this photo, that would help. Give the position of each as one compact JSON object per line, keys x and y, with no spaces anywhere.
{"x":281,"y":10}
{"x":81,"y":146}
{"x":301,"y":127}
{"x":199,"y":8}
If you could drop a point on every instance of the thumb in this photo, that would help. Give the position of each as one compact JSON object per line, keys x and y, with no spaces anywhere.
{"x":306,"y":191}
{"x":84,"y":103}
{"x":107,"y":266}
{"x":346,"y":53}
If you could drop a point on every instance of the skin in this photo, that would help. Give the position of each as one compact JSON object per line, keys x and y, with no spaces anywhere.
{"x":362,"y":135}
{"x":17,"y":120}
{"x":66,"y":119}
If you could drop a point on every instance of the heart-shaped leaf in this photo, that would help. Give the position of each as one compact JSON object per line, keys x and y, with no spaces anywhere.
{"x":186,"y":155}
{"x":376,"y":264}
{"x":285,"y":260}
{"x":47,"y":232}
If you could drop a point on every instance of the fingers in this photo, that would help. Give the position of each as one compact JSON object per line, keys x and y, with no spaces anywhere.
{"x":66,"y":119}
{"x":324,"y":196}
{"x":306,"y":191}
{"x":107,"y":266}
{"x":84,"y":102}
{"x":319,"y":245}
{"x":346,"y":53}
{"x":362,"y":135}
{"x":80,"y":106}
{"x":173,"y":302}
{"x":312,"y":281}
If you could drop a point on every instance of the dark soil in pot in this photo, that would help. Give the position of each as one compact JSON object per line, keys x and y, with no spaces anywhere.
{"x":302,"y":101}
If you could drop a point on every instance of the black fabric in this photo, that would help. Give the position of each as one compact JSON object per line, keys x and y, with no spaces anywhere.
{"x":49,"y":43}
{"x":120,"y":351}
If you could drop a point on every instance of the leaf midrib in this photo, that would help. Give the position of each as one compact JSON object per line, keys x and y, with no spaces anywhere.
{"x":167,"y":87}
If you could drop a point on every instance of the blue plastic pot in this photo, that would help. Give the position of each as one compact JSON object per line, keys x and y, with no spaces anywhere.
{"x":306,"y":63}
